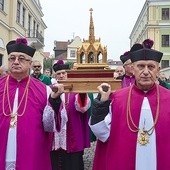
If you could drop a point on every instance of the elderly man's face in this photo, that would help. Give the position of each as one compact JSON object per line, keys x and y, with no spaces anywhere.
{"x":128,"y":67}
{"x":61,"y":75}
{"x":19,"y":63}
{"x":120,"y":71}
{"x":145,"y":73}
{"x":36,"y":67}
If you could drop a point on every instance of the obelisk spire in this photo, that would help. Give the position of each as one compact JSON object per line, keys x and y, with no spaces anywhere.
{"x":91,"y":28}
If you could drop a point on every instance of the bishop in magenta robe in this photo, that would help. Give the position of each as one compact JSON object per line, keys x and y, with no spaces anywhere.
{"x":132,"y":124}
{"x":119,"y":152}
{"x":32,"y":143}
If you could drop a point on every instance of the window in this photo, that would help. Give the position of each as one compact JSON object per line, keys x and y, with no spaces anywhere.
{"x":165,"y":14}
{"x":34,"y":31}
{"x":72,"y":53}
{"x":1,"y":43}
{"x":18,"y":11}
{"x":165,"y":40}
{"x":37,"y":28}
{"x":23,"y":17}
{"x":29,"y":25}
{"x":165,"y":63}
{"x":2,"y":5}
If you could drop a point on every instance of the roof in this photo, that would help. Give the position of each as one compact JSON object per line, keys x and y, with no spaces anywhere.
{"x":61,"y":45}
{"x":46,"y":54}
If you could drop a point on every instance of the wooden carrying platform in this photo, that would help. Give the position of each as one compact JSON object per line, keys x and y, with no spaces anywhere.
{"x":83,"y":85}
{"x":86,"y":81}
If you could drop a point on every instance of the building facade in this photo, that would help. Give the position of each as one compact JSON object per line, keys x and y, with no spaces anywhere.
{"x":21,"y":18}
{"x":60,"y":50}
{"x":72,"y":49}
{"x":154,"y":23}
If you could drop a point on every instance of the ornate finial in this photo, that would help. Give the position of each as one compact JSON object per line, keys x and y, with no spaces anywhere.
{"x":91,"y":10}
{"x":91,"y":28}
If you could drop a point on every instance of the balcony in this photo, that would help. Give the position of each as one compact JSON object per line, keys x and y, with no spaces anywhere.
{"x":35,"y":39}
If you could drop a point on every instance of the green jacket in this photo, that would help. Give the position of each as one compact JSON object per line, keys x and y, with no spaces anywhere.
{"x":164,"y":84}
{"x":45,"y":79}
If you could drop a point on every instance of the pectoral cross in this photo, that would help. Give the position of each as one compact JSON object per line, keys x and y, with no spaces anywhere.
{"x":13,"y":121}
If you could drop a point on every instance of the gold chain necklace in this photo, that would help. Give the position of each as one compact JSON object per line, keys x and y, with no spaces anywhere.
{"x":143,"y":138}
{"x":13,"y":116}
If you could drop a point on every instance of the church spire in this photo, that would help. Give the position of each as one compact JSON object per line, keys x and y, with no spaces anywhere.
{"x":91,"y":28}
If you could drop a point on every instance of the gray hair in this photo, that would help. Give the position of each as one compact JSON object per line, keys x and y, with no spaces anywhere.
{"x":36,"y":61}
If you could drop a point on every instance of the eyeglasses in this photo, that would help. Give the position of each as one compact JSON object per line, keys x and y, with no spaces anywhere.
{"x":36,"y":66}
{"x":20,"y":59}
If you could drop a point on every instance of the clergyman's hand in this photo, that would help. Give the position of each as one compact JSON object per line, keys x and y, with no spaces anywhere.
{"x":105,"y":91}
{"x":57,"y":90}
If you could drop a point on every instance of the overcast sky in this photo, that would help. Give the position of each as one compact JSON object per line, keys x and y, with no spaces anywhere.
{"x":113,"y":22}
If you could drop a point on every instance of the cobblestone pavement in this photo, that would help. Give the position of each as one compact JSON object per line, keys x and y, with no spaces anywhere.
{"x":88,"y":156}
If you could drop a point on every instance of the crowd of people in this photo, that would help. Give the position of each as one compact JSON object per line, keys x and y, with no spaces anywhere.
{"x":44,"y":127}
